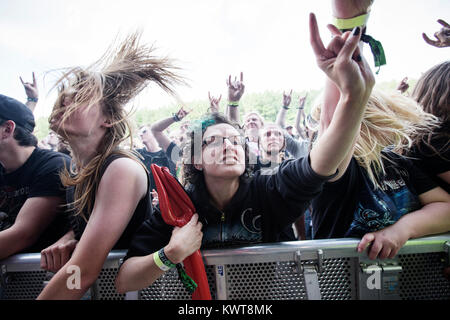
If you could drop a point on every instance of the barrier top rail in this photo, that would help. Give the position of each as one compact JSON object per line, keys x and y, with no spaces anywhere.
{"x":282,"y":251}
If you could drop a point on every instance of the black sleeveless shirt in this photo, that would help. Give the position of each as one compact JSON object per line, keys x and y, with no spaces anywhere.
{"x":142,"y":212}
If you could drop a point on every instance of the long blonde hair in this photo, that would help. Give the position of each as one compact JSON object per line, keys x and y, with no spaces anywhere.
{"x":111,"y":82}
{"x":390,"y":120}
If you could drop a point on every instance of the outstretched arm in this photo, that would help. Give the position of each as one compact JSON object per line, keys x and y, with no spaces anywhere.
{"x":353,"y":77}
{"x":114,"y":206}
{"x":235,"y":91}
{"x":300,"y":119}
{"x":32,"y":93}
{"x":432,"y":218}
{"x":214,"y":102}
{"x":442,"y":36}
{"x":159,"y":127}
{"x":281,"y":116}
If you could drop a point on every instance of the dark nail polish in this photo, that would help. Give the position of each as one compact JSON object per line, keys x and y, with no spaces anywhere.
{"x":356,"y":32}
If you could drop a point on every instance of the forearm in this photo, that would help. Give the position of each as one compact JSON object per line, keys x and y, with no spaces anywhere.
{"x":162,"y":125}
{"x":13,"y":241}
{"x":71,"y":282}
{"x":31,"y":105}
{"x":335,"y":144}
{"x":233,"y":113}
{"x":432,"y":218}
{"x":330,"y":101}
{"x":281,"y":118}
{"x":137,"y":273}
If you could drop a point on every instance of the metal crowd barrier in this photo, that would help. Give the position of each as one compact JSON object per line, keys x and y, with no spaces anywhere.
{"x":318,"y":269}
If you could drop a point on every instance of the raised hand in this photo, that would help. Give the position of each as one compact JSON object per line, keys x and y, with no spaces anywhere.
{"x":31,"y":88}
{"x":403,"y":86}
{"x":287,"y":98}
{"x":235,"y":88}
{"x":214,"y":102}
{"x":301,"y":102}
{"x":342,"y":62}
{"x":182,"y":113}
{"x":442,"y":36}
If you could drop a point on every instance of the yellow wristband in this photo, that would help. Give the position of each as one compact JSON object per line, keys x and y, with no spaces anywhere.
{"x":159,"y":263}
{"x":358,"y":21}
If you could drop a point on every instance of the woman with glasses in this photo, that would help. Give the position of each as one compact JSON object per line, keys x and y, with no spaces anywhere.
{"x":236,"y":208}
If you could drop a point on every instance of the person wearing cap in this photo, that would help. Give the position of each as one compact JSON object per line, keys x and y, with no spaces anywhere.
{"x":31,"y":193}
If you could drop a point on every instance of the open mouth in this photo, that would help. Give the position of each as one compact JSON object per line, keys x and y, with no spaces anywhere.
{"x":230,"y":159}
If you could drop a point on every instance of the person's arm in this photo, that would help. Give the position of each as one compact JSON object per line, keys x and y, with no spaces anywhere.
{"x":114,"y":206}
{"x":403,"y":85}
{"x":235,"y":91}
{"x":342,"y":9}
{"x":32,"y":93}
{"x":34,"y":217}
{"x":354,"y":80}
{"x":432,"y":218}
{"x":442,"y":36}
{"x":57,"y":255}
{"x":141,"y":271}
{"x":300,"y":119}
{"x":161,"y":125}
{"x":281,"y":116}
{"x":214,"y":103}
{"x":445,"y":176}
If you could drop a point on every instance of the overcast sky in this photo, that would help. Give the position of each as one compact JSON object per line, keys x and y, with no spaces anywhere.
{"x":267,"y":40}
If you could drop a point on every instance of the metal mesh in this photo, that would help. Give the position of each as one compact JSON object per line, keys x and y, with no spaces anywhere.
{"x":169,"y":287}
{"x":336,"y":281}
{"x":23,"y":285}
{"x":422,"y":277}
{"x":268,"y":280}
{"x":105,"y":286}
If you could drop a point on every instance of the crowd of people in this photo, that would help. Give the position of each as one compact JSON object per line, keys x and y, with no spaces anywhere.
{"x":363,"y":163}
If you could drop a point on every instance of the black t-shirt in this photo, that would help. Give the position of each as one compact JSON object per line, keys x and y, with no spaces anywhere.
{"x":350,"y":207}
{"x":261,"y":208}
{"x":159,"y":158}
{"x":431,"y":162}
{"x":142,"y":212}
{"x":37,"y":177}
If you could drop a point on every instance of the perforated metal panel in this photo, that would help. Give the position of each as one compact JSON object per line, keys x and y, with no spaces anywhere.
{"x":105,"y":286}
{"x":23,"y":285}
{"x":169,"y":287}
{"x":422,"y":277}
{"x":336,"y":281}
{"x":267,"y":280}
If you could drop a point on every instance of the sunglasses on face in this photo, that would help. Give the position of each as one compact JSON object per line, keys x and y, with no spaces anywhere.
{"x":216,"y":141}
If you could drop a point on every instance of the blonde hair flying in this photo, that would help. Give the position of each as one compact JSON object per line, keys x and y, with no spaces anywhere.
{"x":390,"y":120}
{"x":111,"y":82}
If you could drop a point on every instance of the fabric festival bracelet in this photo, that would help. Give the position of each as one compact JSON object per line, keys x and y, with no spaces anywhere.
{"x":162,"y":261}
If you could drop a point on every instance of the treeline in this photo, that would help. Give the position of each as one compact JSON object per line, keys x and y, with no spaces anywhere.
{"x":266,"y":103}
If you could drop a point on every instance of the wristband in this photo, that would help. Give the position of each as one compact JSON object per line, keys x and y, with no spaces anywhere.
{"x":285,"y":107}
{"x":32,"y":99}
{"x":162,"y":261}
{"x":344,"y":24}
{"x":233,"y":103}
{"x":175,"y":117}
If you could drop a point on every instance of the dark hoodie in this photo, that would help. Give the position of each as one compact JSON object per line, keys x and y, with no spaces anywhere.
{"x":258,"y":212}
